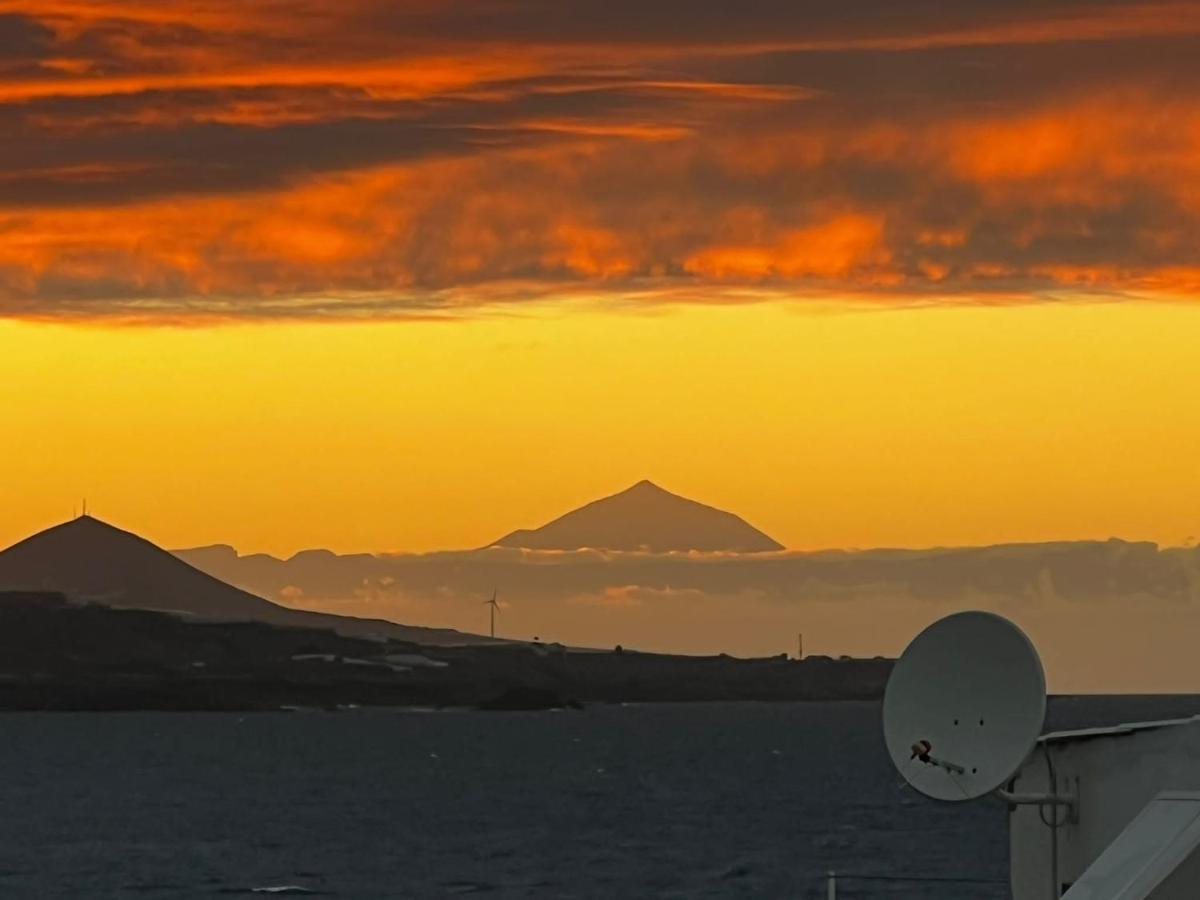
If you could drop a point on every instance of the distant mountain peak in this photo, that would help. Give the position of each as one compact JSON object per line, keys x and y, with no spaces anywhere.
{"x":86,"y":520}
{"x":88,"y":559}
{"x":81,"y":531}
{"x":86,"y":523}
{"x":645,"y":517}
{"x":645,"y":486}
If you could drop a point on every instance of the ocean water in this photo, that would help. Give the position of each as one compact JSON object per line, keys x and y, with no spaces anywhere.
{"x":699,"y":800}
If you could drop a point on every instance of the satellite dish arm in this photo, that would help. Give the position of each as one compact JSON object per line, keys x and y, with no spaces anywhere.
{"x":1069,"y":802}
{"x":1033,"y":799}
{"x":1068,"y":799}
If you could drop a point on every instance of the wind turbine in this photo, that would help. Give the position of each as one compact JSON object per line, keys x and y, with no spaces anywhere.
{"x":494,"y":606}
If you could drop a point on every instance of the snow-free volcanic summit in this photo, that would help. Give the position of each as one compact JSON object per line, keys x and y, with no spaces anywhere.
{"x":645,"y":517}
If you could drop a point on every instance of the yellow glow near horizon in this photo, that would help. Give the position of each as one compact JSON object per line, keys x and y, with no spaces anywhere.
{"x":856,"y":428}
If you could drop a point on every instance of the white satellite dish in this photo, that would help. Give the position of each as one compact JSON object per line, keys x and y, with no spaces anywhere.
{"x":964,"y":706}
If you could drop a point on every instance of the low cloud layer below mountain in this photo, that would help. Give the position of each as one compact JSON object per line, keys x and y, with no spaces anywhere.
{"x":1113,"y":615}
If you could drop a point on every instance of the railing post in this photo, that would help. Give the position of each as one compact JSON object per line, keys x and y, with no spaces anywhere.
{"x":831,"y":887}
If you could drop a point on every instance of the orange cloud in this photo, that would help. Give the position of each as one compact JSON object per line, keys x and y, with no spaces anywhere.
{"x":590,"y":251}
{"x":833,"y":248}
{"x":224,"y":159}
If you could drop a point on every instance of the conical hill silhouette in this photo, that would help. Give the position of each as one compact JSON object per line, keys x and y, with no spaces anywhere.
{"x":645,"y":517}
{"x":92,"y":560}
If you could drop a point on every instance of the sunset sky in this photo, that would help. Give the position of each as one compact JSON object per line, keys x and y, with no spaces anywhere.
{"x":377,"y":275}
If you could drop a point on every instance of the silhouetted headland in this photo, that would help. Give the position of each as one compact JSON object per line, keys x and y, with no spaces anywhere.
{"x":93,"y":617}
{"x":60,"y":653}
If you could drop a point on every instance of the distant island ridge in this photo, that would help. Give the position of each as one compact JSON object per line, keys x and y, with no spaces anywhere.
{"x":680,"y":596}
{"x":96,"y":617}
{"x":648,"y":518}
{"x":694,"y":595}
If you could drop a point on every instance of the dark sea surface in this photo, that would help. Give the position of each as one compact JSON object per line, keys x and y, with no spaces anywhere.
{"x":698,"y":800}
